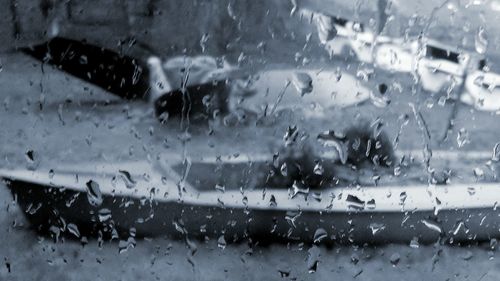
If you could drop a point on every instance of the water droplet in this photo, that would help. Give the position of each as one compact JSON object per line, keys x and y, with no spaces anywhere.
{"x":72,"y":199}
{"x":220,"y":188}
{"x":55,"y":232}
{"x":291,"y":135}
{"x":241,"y":58}
{"x":376,"y":227}
{"x":481,"y":41}
{"x":32,"y":209}
{"x":459,"y":225}
{"x":319,"y":235}
{"x":272,"y":201}
{"x":382,"y":88}
{"x":353,"y":202}
{"x":354,"y":258}
{"x":379,"y":100}
{"x":231,"y":12}
{"x":73,"y":229}
{"x":88,"y":140}
{"x":364,"y":74}
{"x":496,"y":152}
{"x":104,"y":214}
{"x":30,"y":156}
{"x":326,"y":28}
{"x":432,"y":225}
{"x":402,"y":198}
{"x":124,"y":245}
{"x":284,"y":273}
{"x":395,"y":258}
{"x":127,"y":179}
{"x":441,"y":177}
{"x":371,"y":204}
{"x":83,"y":59}
{"x":291,"y":217}
{"x":471,"y":190}
{"x":276,"y":160}
{"x":333,"y":139}
{"x":414,"y":243}
{"x":262,"y":46}
{"x":467,"y":255}
{"x":397,"y":171}
{"x":313,"y":259}
{"x":316,"y":196}
{"x":462,"y":137}
{"x":478,"y":173}
{"x":298,"y":188}
{"x":94,"y":195}
{"x":302,"y":82}
{"x":203,"y":41}
{"x":318,"y":169}
{"x":493,"y":244}
{"x":60,"y":114}
{"x":284,"y":170}
{"x":221,"y":242}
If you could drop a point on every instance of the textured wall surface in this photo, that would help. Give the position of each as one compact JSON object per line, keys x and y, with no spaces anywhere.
{"x":168,"y":26}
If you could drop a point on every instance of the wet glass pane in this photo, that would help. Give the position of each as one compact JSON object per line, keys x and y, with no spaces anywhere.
{"x":254,"y":140}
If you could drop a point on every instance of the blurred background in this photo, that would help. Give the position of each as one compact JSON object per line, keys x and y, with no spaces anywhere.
{"x":257,"y":32}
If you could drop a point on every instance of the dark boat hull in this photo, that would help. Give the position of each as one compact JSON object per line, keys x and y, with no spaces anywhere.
{"x":47,"y":206}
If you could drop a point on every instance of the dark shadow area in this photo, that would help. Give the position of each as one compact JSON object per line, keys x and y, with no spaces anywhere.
{"x":121,"y":75}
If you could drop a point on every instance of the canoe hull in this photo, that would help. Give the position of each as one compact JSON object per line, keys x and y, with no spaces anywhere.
{"x":44,"y":206}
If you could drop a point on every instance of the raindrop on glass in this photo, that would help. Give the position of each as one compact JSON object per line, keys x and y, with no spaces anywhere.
{"x":51,"y":173}
{"x":313,"y":259}
{"x":326,"y":28}
{"x":379,"y":100}
{"x":220,"y":188}
{"x":127,"y":178}
{"x":371,"y":205}
{"x":302,"y":82}
{"x":414,"y":243}
{"x":353,"y":202}
{"x":298,"y":188}
{"x":104,"y":214}
{"x":471,"y":190}
{"x":478,"y":173}
{"x":319,"y":235}
{"x":73,"y":229}
{"x":395,"y":258}
{"x":496,"y":152}
{"x":467,"y":255}
{"x":376,"y":227}
{"x":221,"y":242}
{"x":284,"y":170}
{"x":272,"y":201}
{"x":462,"y":137}
{"x":94,"y":193}
{"x":318,"y":169}
{"x":432,"y":225}
{"x":481,"y":41}
{"x":402,"y":198}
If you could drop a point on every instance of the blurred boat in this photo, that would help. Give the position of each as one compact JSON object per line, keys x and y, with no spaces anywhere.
{"x":202,"y":192}
{"x":231,"y":196}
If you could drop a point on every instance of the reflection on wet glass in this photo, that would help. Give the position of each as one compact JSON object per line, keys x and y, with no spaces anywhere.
{"x":331,"y":138}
